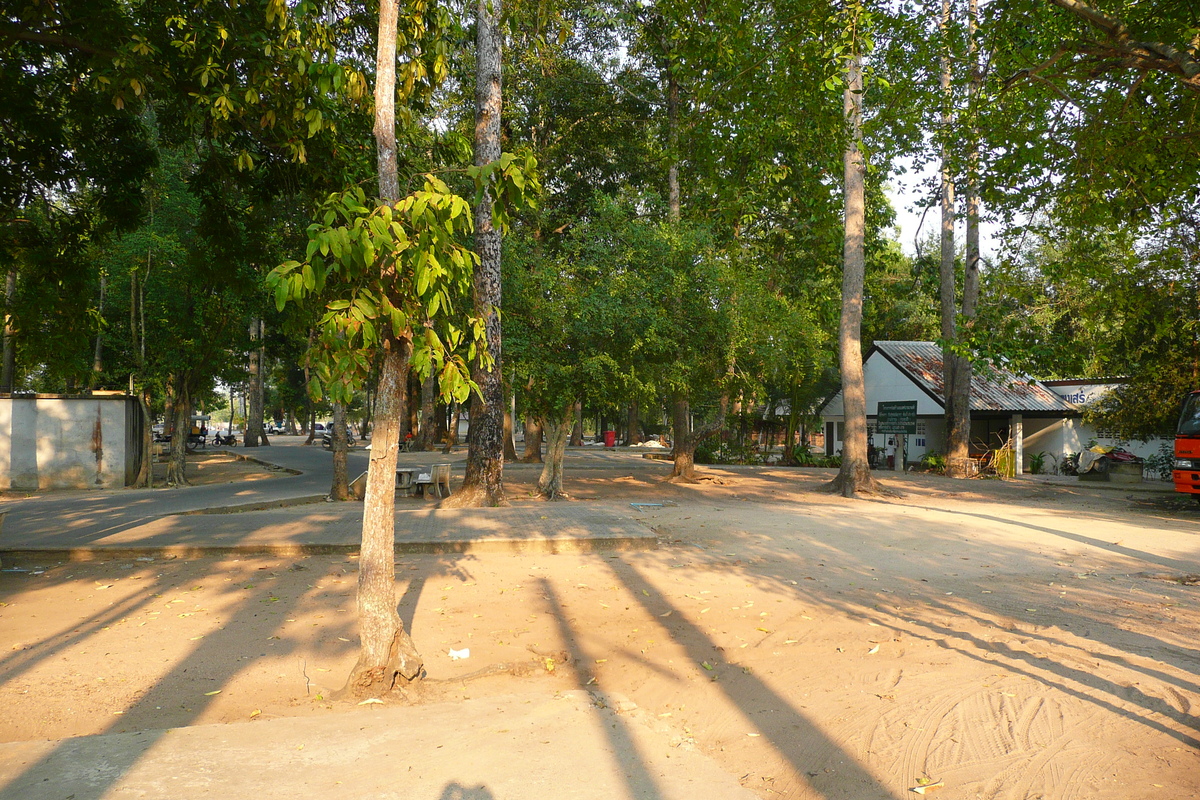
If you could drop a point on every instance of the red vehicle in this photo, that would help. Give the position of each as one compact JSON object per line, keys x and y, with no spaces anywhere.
{"x":1187,"y":447}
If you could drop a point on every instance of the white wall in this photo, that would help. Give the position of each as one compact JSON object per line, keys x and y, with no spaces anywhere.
{"x":62,"y":443}
{"x":886,"y":384}
{"x":1062,"y":436}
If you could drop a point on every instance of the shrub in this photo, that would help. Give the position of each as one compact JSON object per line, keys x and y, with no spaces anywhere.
{"x":1161,"y":463}
{"x":714,"y":451}
{"x":803,"y":456}
{"x":706,"y":452}
{"x":934,"y":462}
{"x":1037,"y":463}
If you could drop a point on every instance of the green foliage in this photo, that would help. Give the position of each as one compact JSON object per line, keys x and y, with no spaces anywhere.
{"x":1103,"y":303}
{"x":933,"y":461}
{"x":510,"y":183}
{"x":718,"y":451}
{"x":387,"y":272}
{"x":1162,"y":463}
{"x":803,"y":456}
{"x":1119,"y":138}
{"x":633,"y":307}
{"x":166,"y":316}
{"x":1037,"y":463}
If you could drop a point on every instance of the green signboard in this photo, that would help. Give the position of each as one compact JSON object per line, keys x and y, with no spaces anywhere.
{"x":897,"y":417}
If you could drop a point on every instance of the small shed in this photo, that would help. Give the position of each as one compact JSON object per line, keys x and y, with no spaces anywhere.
{"x":1003,"y":404}
{"x":50,"y":441}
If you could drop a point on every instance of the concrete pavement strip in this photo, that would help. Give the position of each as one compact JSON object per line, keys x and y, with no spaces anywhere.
{"x":577,"y":527}
{"x":572,"y":745}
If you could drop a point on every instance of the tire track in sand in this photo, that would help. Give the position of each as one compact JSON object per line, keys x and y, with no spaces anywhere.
{"x":1006,"y":746}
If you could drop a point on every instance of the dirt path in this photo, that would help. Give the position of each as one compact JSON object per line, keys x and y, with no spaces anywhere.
{"x":1008,"y":640}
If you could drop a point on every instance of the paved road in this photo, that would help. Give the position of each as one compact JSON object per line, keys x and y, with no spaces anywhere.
{"x":79,"y":517}
{"x":286,"y":516}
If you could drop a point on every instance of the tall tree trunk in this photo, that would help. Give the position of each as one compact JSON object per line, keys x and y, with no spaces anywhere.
{"x":577,"y":426}
{"x":558,"y":429}
{"x":98,"y":351}
{"x":340,"y":488}
{"x":451,"y":438}
{"x":256,"y":435}
{"x":957,"y":413}
{"x":855,"y":474}
{"x":510,"y":447}
{"x":427,"y":429}
{"x":533,"y":440}
{"x":683,"y":443}
{"x":674,"y":202}
{"x":958,"y":451}
{"x":145,"y":476}
{"x":8,"y":370}
{"x":181,"y":405}
{"x":633,"y":426}
{"x":483,"y":483}
{"x":387,"y":657}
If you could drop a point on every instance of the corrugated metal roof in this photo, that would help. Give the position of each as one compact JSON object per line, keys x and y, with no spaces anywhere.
{"x":993,"y":389}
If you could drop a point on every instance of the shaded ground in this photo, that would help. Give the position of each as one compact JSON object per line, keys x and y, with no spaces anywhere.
{"x":1012,"y":640}
{"x":204,"y":469}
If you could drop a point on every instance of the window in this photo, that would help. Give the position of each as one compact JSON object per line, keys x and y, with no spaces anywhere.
{"x":1189,"y":420}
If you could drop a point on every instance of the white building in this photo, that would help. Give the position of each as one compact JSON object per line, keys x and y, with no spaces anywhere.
{"x":1039,"y":416}
{"x":68,"y":442}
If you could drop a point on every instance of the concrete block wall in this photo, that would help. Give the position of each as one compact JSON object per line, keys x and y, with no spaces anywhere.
{"x":49,"y":442}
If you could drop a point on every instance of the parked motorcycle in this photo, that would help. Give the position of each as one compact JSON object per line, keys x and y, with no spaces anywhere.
{"x":327,"y":439}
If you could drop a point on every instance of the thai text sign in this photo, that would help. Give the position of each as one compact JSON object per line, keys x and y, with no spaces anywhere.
{"x":897,"y":417}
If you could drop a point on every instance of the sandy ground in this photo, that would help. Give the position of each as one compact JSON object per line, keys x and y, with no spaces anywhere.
{"x":1006,"y":640}
{"x":204,"y":469}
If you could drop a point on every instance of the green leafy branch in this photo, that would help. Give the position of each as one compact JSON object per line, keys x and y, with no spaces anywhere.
{"x":388,"y":272}
{"x":512,"y":184}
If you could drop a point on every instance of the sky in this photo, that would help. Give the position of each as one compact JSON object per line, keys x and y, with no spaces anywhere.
{"x":907,"y":192}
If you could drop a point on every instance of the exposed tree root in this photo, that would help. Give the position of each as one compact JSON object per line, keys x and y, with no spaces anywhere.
{"x":694,"y":478}
{"x":403,"y":669}
{"x":854,"y":485}
{"x":541,"y":664}
{"x":476,"y":497}
{"x":1190,"y":579}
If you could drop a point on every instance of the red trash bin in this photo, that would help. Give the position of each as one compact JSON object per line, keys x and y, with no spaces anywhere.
{"x":610,"y":438}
